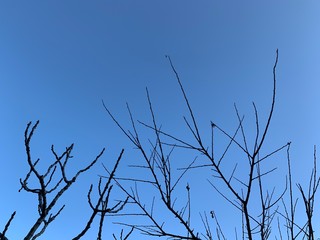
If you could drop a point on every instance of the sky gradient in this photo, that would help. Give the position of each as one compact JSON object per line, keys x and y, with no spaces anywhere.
{"x":60,"y":59}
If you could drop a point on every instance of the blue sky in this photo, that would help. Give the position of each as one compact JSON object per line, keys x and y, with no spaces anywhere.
{"x":59,"y":59}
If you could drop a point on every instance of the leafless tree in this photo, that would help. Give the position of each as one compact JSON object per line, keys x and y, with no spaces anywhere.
{"x":102,"y":205}
{"x":51,"y":184}
{"x":237,"y":190}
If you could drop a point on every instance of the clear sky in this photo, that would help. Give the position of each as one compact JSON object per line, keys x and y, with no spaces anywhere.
{"x":59,"y":59}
